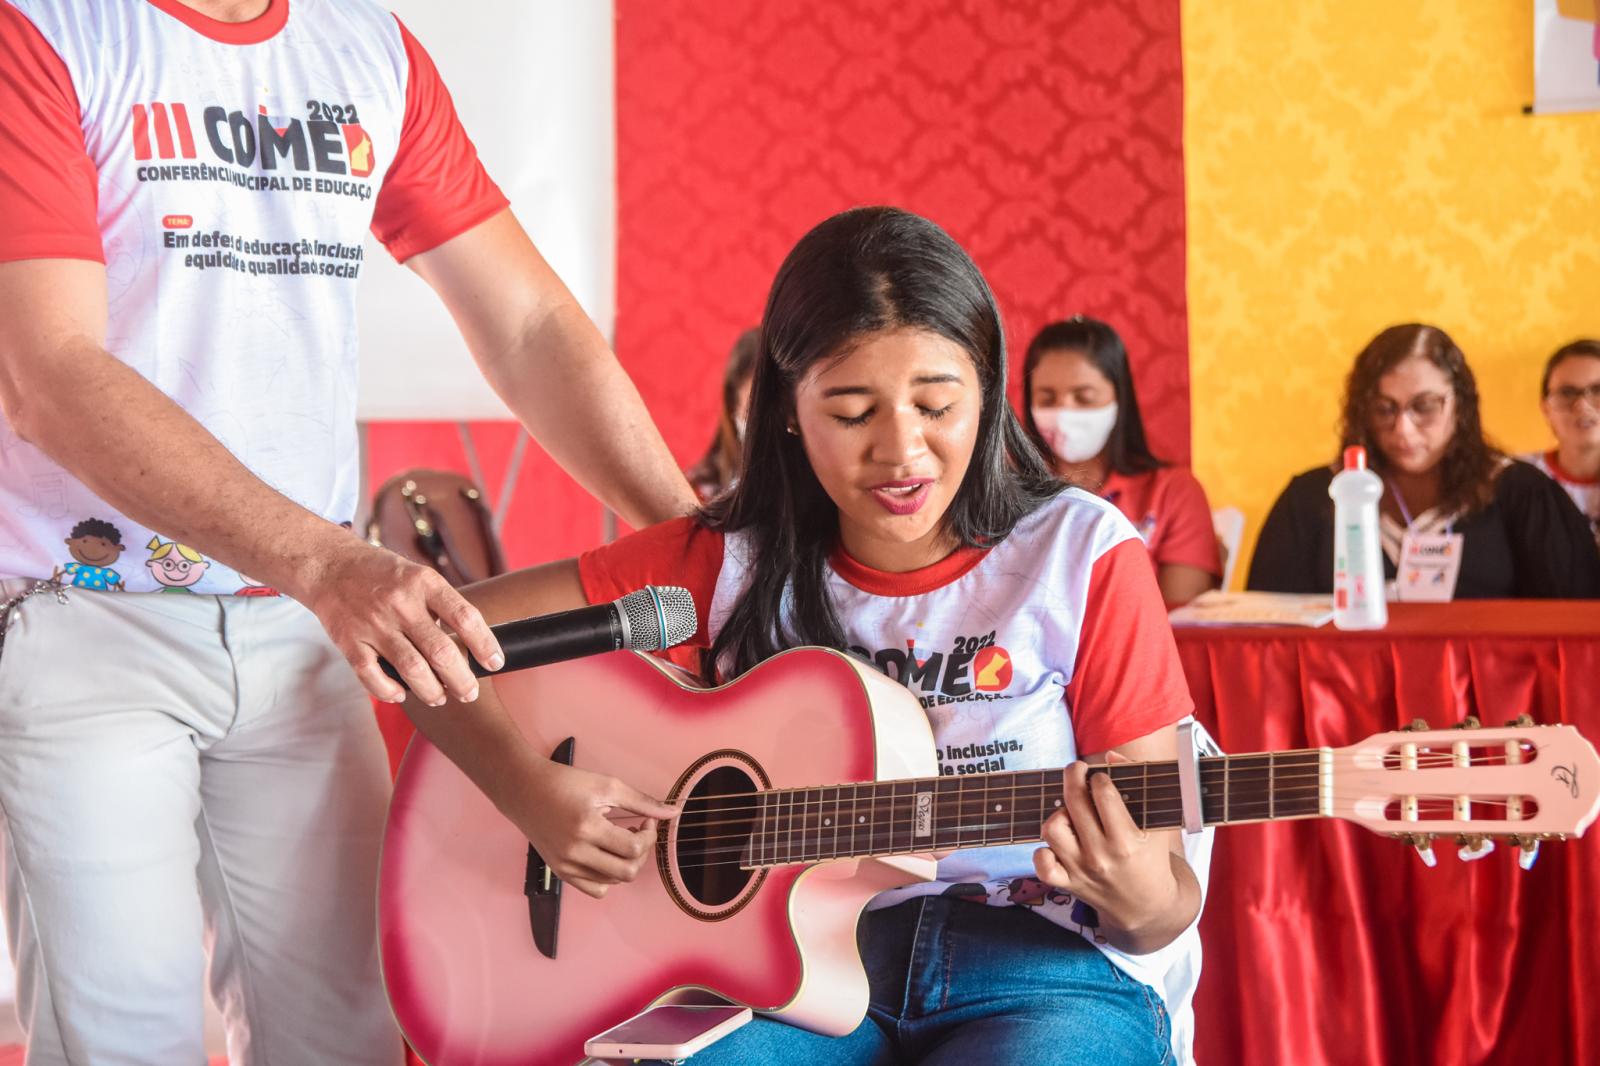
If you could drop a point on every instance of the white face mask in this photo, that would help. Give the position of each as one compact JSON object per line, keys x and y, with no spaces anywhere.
{"x":1076,"y":434}
{"x":739,"y":424}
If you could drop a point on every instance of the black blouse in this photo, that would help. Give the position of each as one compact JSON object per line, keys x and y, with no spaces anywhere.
{"x":1530,"y":542}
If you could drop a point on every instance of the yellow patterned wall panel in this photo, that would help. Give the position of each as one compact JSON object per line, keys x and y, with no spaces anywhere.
{"x":1356,"y":163}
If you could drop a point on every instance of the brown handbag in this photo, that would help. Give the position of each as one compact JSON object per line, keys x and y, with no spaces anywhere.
{"x":438,"y":519}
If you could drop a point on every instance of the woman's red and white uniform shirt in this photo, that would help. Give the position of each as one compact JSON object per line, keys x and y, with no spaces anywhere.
{"x":1052,"y":643}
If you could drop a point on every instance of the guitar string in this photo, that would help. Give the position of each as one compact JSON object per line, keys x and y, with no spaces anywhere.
{"x":782,"y":836}
{"x":789,"y":819}
{"x":1215,"y":764}
{"x":1283,"y":785}
{"x":812,"y":835}
{"x":924,"y":847}
{"x":1136,"y":789}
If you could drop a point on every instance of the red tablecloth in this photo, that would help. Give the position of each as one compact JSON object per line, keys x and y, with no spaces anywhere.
{"x":1328,"y":944}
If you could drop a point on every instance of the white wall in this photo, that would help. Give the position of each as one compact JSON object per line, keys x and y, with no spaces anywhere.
{"x":533,"y":83}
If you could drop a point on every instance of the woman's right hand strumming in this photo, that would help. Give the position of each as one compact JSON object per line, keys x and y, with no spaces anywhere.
{"x":592,"y":830}
{"x":580,"y":823}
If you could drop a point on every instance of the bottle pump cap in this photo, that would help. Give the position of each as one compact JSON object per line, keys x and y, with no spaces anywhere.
{"x":1355,"y":457}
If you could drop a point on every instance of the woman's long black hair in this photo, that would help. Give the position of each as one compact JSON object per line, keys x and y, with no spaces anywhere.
{"x":858,"y":273}
{"x":1127,"y":452}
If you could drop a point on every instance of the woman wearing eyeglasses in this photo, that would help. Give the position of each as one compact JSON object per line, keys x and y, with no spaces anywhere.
{"x":1571,"y":405}
{"x":1412,"y":402}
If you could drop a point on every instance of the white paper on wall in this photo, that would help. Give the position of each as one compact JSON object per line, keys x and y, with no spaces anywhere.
{"x":1566,"y":56}
{"x":533,"y":84}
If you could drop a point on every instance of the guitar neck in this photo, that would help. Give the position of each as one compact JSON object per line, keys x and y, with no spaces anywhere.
{"x":983,"y":810}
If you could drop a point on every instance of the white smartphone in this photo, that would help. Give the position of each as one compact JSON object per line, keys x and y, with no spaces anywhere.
{"x":666,"y":1032}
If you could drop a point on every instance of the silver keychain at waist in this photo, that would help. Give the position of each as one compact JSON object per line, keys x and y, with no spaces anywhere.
{"x":33,"y":588}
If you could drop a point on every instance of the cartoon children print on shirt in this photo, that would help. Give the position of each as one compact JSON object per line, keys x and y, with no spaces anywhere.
{"x":1030,"y":892}
{"x":1087,"y":920}
{"x":175,"y":566}
{"x":94,"y":545}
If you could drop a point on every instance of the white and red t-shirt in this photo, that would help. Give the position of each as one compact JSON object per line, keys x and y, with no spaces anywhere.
{"x":226,"y":174}
{"x":1169,"y":509}
{"x":1584,"y":492}
{"x":1052,"y":643}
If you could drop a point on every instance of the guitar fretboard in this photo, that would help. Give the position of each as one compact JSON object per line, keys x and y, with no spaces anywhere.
{"x":981,"y":810}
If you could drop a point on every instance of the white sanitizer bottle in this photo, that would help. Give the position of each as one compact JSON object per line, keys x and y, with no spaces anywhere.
{"x":1358,"y":586}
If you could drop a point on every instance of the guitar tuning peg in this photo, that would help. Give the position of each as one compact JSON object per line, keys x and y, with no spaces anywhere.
{"x":1473,"y":846}
{"x":1523,"y":719}
{"x":1423,"y":842}
{"x":1418,"y":725}
{"x":1528,"y":853}
{"x":1527,"y":849}
{"x":1469,"y":722}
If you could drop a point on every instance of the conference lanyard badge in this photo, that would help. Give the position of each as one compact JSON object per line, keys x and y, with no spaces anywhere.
{"x":1430,"y":563}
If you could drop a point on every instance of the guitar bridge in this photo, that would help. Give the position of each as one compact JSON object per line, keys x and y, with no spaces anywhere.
{"x":540,"y":883}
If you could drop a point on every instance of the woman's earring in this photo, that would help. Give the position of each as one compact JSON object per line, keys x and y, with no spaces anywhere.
{"x":792,"y":430}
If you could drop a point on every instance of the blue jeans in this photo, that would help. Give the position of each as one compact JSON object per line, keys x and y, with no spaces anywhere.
{"x":955,"y":983}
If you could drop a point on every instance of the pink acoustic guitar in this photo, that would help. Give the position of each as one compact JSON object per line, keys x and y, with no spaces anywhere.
{"x":807,"y":787}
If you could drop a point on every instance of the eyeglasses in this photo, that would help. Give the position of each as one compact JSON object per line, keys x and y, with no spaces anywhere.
{"x":1424,"y":410}
{"x":1567,"y":397}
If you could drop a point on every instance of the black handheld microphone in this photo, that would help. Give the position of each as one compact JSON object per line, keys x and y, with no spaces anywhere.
{"x":654,"y":617}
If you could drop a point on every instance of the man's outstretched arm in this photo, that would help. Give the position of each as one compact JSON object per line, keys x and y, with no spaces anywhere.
{"x":555,"y":371}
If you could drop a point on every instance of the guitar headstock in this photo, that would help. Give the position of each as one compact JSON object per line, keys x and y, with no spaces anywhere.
{"x":1521,"y":782}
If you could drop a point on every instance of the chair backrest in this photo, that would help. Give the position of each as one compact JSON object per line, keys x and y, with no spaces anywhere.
{"x":1228,"y":522}
{"x":437,"y":518}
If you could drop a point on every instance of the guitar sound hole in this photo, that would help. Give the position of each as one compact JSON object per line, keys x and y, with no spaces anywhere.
{"x":713,"y":835}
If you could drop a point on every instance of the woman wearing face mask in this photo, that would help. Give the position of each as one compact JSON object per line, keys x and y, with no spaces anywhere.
{"x":1412,"y":402}
{"x":719,"y":468}
{"x":1081,"y":411}
{"x":1571,"y":405}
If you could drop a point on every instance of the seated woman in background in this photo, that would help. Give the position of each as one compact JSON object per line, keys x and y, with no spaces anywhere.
{"x":718,"y":469}
{"x":1571,"y":404}
{"x":1412,"y":402}
{"x":1082,"y":412}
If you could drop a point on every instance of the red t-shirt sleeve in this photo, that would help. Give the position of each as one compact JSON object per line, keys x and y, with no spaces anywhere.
{"x":677,"y":552}
{"x":1190,"y":538}
{"x":1128,"y":681}
{"x":49,"y":188}
{"x":436,"y":188}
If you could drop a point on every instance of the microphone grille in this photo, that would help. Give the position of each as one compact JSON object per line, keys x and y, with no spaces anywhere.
{"x":659,"y":616}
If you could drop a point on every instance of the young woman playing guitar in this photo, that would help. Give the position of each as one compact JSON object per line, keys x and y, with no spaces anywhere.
{"x":892,"y":507}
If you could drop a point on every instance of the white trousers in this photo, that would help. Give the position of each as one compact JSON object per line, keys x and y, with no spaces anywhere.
{"x":186,"y":776}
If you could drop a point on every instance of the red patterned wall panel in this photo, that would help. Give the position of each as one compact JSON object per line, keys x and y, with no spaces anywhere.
{"x":1045,"y":136}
